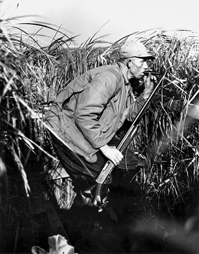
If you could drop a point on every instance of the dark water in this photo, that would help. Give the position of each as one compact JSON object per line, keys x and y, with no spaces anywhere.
{"x":109,"y":231}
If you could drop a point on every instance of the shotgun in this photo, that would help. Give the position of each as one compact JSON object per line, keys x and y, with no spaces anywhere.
{"x":109,"y":166}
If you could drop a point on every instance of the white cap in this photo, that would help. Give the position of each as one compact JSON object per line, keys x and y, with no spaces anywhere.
{"x":134,"y":49}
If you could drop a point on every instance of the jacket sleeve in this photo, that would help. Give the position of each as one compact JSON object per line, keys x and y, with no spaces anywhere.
{"x":90,"y":105}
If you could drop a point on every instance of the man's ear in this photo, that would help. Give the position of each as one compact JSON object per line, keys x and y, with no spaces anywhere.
{"x":129,"y":64}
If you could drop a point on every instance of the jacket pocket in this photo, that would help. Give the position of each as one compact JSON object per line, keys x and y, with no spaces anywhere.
{"x":107,"y":119}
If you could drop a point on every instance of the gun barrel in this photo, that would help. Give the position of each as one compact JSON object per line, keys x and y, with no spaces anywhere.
{"x":151,"y":72}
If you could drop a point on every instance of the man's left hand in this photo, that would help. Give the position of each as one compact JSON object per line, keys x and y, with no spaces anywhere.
{"x":149,"y":82}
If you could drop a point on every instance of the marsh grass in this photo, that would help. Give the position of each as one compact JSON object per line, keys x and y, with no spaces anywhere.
{"x":37,"y":74}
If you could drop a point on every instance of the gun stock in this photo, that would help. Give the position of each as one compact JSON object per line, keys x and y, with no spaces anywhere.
{"x":109,"y":166}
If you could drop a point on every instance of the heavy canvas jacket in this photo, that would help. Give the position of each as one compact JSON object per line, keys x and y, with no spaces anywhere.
{"x":90,"y":110}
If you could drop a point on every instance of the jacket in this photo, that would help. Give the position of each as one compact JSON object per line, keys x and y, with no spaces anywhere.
{"x":90,"y":110}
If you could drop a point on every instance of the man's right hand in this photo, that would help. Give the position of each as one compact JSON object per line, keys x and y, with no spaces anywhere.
{"x":112,"y":153}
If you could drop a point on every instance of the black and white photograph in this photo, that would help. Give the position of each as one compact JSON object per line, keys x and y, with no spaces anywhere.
{"x":99,"y":127}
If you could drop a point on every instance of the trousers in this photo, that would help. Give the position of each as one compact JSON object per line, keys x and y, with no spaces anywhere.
{"x":78,"y":168}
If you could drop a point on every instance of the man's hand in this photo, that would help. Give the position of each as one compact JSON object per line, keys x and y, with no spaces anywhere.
{"x":149,"y":81}
{"x":112,"y":153}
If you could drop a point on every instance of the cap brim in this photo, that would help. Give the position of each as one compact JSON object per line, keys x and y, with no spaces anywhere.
{"x":148,"y":56}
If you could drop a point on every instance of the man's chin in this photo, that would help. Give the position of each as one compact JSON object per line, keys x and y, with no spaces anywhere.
{"x":140,"y":76}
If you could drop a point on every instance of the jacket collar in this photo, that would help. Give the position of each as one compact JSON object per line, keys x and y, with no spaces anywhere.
{"x":122,"y":69}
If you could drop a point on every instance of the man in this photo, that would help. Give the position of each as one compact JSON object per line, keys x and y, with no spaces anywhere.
{"x":89,"y":112}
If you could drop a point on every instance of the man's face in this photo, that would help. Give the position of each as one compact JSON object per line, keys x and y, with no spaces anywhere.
{"x":137,"y":66}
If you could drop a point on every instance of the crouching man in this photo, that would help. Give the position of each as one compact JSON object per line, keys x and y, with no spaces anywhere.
{"x":90,"y":111}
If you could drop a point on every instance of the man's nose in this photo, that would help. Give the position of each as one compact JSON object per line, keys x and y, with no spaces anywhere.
{"x":145,"y":65}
